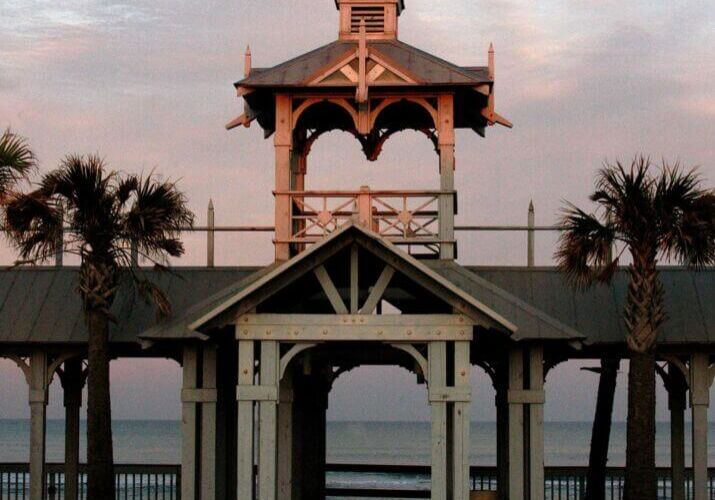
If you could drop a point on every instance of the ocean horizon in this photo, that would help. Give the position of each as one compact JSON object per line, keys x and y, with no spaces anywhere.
{"x":374,"y":442}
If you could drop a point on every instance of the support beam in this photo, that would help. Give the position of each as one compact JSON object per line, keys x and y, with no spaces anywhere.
{"x":354,"y":280}
{"x":536,"y":424}
{"x":285,"y":438}
{"x":208,"y":425}
{"x":438,"y":378}
{"x":445,"y":129}
{"x":516,"y":426}
{"x":331,"y":292}
{"x":378,"y":290}
{"x":38,"y":382}
{"x":245,"y":421}
{"x":189,"y":423}
{"x":677,"y":389}
{"x":283,"y":146}
{"x":460,"y":424}
{"x":699,"y":402}
{"x":72,"y":383}
{"x":268,"y":423}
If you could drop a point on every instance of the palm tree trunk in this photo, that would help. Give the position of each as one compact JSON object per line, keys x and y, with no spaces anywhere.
{"x":100,"y":460}
{"x":640,"y":480}
{"x":601,"y":433}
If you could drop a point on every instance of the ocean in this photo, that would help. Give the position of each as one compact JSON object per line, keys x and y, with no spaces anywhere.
{"x":402,"y":443}
{"x":159,"y":441}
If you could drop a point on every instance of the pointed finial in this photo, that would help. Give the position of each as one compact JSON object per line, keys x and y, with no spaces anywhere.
{"x":211,"y":204}
{"x":491,"y":61}
{"x":247,"y":63}
{"x":531,"y":205}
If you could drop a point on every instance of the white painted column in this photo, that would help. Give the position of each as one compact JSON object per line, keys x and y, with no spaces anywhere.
{"x":699,"y":402}
{"x":38,"y":419}
{"x":268,"y":425}
{"x":516,"y":424}
{"x":208,"y":398}
{"x":246,"y":360}
{"x":536,"y":423}
{"x":460,"y":422}
{"x":285,"y":439}
{"x":189,"y":423}
{"x":438,"y":379}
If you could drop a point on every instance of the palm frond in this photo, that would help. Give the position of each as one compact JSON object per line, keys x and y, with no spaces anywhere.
{"x":34,"y":224}
{"x":584,"y":248}
{"x":17,"y":161}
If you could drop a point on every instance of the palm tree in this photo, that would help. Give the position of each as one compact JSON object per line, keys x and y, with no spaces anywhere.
{"x":651,"y":215}
{"x":17,"y":161}
{"x":106,"y":217}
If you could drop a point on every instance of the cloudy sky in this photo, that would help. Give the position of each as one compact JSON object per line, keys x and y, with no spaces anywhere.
{"x":149,"y":86}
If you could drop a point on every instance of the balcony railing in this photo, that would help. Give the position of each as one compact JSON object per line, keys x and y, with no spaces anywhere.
{"x":411,"y":218}
{"x":161,"y":482}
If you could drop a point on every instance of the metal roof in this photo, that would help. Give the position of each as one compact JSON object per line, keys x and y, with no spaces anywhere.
{"x":597,"y":312}
{"x":41,"y":305}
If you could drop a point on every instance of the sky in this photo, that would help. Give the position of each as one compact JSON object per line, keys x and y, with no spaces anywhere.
{"x":148,"y":85}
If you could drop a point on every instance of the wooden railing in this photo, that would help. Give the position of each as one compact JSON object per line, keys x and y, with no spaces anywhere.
{"x":161,"y":482}
{"x":403,"y":217}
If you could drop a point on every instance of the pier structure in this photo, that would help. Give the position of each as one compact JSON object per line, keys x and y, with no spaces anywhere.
{"x":361,"y":277}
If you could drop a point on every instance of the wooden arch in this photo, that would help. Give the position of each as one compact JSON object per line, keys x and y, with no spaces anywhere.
{"x":342,"y":103}
{"x":419,"y":101}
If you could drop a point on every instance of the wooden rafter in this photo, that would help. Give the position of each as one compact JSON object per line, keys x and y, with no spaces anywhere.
{"x":330,"y":290}
{"x":378,"y":290}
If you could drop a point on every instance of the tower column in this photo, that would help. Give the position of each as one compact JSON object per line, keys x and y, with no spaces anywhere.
{"x":283,"y":146}
{"x":445,"y":130}
{"x":72,"y":383}
{"x":516,"y":425}
{"x":699,"y":402}
{"x":460,"y":422}
{"x":677,"y":389}
{"x":246,"y":356}
{"x":437,"y":363}
{"x":38,"y":421}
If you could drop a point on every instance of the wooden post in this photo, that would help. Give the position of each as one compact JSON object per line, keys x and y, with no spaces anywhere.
{"x":285,"y":438}
{"x":531,"y":220}
{"x":365,"y":207}
{"x":208,"y":424}
{"x":677,"y":389}
{"x":268,"y":425}
{"x":72,"y":383}
{"x":445,"y":129}
{"x":460,"y":424}
{"x":283,"y":146}
{"x":38,"y":382}
{"x":189,"y":423}
{"x":245,"y":420}
{"x":210,"y":235}
{"x":438,"y":379}
{"x":502,"y":409}
{"x":699,"y":402}
{"x":536,"y":423}
{"x":516,"y":425}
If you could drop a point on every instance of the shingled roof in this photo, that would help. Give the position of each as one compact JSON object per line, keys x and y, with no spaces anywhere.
{"x":427,"y":69}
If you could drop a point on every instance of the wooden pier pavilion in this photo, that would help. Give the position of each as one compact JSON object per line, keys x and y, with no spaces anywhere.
{"x":363,"y":277}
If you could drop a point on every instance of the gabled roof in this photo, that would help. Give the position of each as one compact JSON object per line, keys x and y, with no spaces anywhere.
{"x":479,"y":299}
{"x":429,"y":70}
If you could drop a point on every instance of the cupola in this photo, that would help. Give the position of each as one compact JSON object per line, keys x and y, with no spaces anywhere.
{"x":379,"y":16}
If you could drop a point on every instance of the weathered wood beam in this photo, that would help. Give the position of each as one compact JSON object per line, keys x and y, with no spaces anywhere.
{"x":330,"y":290}
{"x":378,"y":290}
{"x":354,"y":280}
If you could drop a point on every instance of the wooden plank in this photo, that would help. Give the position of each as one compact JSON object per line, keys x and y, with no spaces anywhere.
{"x":446,"y":174}
{"x":355,"y":332}
{"x":450,"y":394}
{"x":208,"y":423}
{"x":198,"y":395}
{"x":378,"y":290}
{"x":354,"y":280}
{"x":245,"y":422}
{"x":700,"y":396}
{"x":438,"y":377}
{"x":460,"y":427}
{"x":536,"y":424}
{"x":268,"y":424}
{"x":38,"y":418}
{"x":330,"y":290}
{"x":285,"y":439}
{"x":516,"y":427}
{"x":256,"y":393}
{"x":268,"y":319}
{"x":188,"y":424}
{"x":526,"y":396}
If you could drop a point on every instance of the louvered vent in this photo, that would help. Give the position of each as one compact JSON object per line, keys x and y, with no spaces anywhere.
{"x":374,"y":17}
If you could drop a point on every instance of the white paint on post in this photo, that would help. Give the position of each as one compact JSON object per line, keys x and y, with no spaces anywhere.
{"x":699,"y":401}
{"x":516,"y":426}
{"x":460,"y":429}
{"x":536,"y":425}
{"x":437,"y":379}
{"x":245,"y":421}
{"x":268,"y":426}
{"x":38,"y":409}
{"x":188,"y":424}
{"x":208,"y":426}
